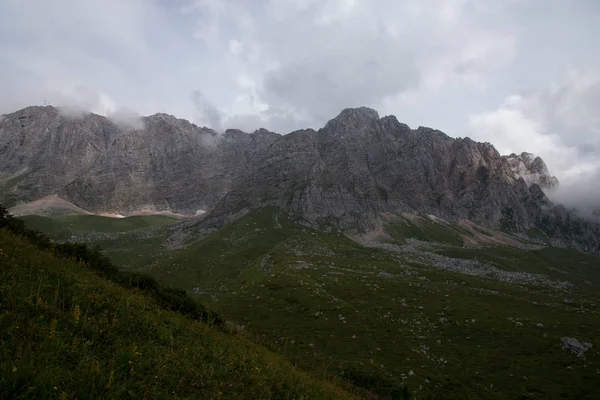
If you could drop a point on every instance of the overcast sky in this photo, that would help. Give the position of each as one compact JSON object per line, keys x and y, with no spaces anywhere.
{"x":521,"y":74}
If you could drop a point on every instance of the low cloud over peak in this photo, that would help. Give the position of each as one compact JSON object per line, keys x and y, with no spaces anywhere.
{"x":561,"y":124}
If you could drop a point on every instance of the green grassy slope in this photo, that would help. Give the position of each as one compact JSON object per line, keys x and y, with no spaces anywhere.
{"x":94,"y":223}
{"x":68,"y":333}
{"x":50,"y":226}
{"x":427,"y":231}
{"x":127,"y":240}
{"x":373,"y":316}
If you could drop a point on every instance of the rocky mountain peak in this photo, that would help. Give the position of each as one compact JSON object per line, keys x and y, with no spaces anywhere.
{"x":262,"y":132}
{"x":21,"y":116}
{"x":37,"y":109}
{"x":532,"y":169}
{"x":162,"y":117}
{"x":430,"y":134}
{"x":392,"y":123}
{"x":353,"y":118}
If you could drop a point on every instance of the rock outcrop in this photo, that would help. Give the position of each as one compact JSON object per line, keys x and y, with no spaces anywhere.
{"x":532,"y":169}
{"x":574,"y":346}
{"x":345,"y":175}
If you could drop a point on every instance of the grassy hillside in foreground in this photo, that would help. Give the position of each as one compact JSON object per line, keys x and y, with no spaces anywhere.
{"x":383,"y":319}
{"x":68,"y":333}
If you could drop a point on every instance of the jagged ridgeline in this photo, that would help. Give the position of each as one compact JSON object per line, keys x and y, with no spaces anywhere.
{"x":346,"y":175}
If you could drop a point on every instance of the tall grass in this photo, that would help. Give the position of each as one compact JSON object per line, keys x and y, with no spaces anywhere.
{"x":68,"y":332}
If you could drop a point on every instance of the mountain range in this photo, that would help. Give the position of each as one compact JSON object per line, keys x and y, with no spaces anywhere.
{"x":348,"y":175}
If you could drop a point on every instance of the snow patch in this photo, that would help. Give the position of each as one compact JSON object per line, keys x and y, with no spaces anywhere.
{"x":111,"y":215}
{"x":435,"y":219}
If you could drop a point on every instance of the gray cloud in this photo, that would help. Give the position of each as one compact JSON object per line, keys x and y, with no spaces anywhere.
{"x":348,"y":71}
{"x":561,"y":124}
{"x":78,"y":100}
{"x":207,"y":111}
{"x":278,"y":120}
{"x":311,"y":59}
{"x":581,"y":193}
{"x":127,"y":118}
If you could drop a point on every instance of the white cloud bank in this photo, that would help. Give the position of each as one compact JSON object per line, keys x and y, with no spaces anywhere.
{"x":562,"y":125}
{"x":281,"y":64}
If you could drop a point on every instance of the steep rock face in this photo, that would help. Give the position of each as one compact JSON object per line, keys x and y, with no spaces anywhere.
{"x":150,"y":169}
{"x":347,"y":174}
{"x":170,"y":164}
{"x":359,"y":166}
{"x":532,"y":169}
{"x":46,"y":150}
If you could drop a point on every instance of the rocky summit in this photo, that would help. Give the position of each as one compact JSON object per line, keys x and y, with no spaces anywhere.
{"x":348,"y":174}
{"x":532,"y":169}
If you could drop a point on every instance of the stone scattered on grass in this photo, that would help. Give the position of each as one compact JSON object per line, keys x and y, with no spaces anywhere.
{"x":575,"y":346}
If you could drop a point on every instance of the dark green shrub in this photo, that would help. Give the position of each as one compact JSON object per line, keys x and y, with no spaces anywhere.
{"x":380,"y":385}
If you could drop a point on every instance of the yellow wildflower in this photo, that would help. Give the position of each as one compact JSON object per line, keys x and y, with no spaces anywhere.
{"x":53,"y":328}
{"x":14,"y":369}
{"x":76,"y":313}
{"x":111,"y":376}
{"x":95,"y":368}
